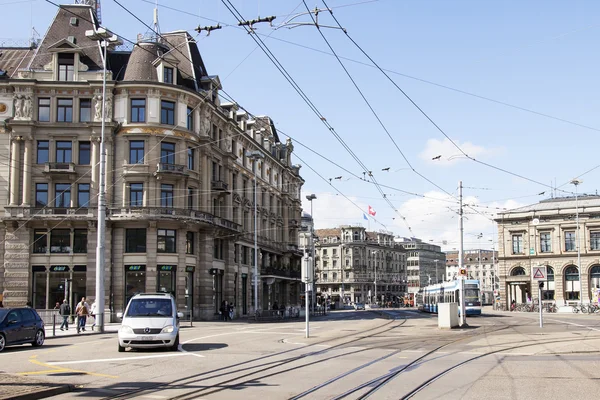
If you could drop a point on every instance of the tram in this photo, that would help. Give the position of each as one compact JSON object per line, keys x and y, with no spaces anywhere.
{"x":448,"y":292}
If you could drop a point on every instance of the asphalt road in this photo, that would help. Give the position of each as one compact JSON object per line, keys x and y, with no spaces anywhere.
{"x":350,"y":355}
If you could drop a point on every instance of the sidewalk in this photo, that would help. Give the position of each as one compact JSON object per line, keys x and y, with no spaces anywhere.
{"x":72,"y":331}
{"x":22,"y":388}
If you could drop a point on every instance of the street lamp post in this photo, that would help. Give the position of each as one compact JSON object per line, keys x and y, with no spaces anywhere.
{"x":105,"y":38}
{"x":577,"y":182}
{"x":310,"y":198}
{"x":255,"y":155}
{"x":436,"y":272}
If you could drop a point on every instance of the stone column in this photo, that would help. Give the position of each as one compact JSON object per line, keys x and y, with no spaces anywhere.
{"x":205,"y":198}
{"x":27,"y":172}
{"x":14,"y":170}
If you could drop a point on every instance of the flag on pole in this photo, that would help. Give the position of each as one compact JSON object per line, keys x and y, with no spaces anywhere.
{"x":365,"y":217}
{"x":372,"y":211}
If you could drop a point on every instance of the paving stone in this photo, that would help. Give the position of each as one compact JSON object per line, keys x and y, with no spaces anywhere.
{"x":26,"y":388}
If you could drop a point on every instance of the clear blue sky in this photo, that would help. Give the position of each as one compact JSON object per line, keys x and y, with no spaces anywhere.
{"x":538,"y":55}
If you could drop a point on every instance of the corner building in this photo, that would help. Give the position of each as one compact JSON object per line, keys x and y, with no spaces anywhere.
{"x":179,"y":186}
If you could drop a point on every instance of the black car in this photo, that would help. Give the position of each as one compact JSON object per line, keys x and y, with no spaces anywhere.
{"x":20,"y":326}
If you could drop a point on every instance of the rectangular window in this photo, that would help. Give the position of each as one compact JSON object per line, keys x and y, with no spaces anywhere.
{"x":595,"y":240}
{"x":80,"y":239}
{"x":66,"y":66}
{"x":43,"y":151}
{"x":136,"y":194}
{"x":166,"y":241}
{"x":167,"y":153}
{"x":44,"y":110}
{"x":545,"y":242}
{"x":138,"y":110}
{"x":85,"y":149}
{"x":218,"y":245}
{"x":189,"y":243}
{"x":190,"y":199}
{"x":570,"y":241}
{"x":166,"y":195}
{"x":167,"y":75}
{"x":63,"y":195}
{"x":136,"y":152}
{"x":85,"y":110}
{"x":41,"y":195}
{"x":517,"y":244}
{"x":83,"y":195}
{"x":167,"y":112}
{"x":60,"y":241}
{"x":64,"y":110}
{"x":64,"y":152}
{"x":191,"y":158}
{"x":40,"y":241}
{"x":190,"y":119}
{"x":234,"y":178}
{"x":135,"y":240}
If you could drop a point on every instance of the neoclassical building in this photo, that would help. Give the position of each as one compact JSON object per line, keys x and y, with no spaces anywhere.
{"x":545,"y":234}
{"x":179,"y":185}
{"x":350,"y":262}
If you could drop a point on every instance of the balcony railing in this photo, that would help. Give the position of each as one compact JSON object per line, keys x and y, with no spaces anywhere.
{"x":175,"y":212}
{"x":219,"y":185}
{"x":20,"y":211}
{"x":171,"y":168}
{"x":286,"y":273}
{"x":59,"y":168}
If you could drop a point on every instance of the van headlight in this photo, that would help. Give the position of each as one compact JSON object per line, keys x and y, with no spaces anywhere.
{"x":126,"y":329}
{"x":167,"y":329}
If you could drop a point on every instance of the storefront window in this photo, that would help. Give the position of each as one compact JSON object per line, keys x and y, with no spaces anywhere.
{"x":166,"y":279}
{"x":58,"y":282}
{"x":135,"y":281}
{"x":548,"y":292}
{"x":572,"y":283}
{"x":39,"y":286}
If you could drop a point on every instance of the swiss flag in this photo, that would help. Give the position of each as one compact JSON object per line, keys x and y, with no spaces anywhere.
{"x":371,"y":211}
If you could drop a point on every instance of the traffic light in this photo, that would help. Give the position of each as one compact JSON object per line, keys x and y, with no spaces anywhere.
{"x":541,"y":285}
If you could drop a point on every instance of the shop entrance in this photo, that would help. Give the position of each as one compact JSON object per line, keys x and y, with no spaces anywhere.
{"x":135,"y":281}
{"x":166,"y":279}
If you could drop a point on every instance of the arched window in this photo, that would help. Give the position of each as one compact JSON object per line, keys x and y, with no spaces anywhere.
{"x":572,"y":284}
{"x":549,"y":287}
{"x":594,"y":280}
{"x":518,"y":271}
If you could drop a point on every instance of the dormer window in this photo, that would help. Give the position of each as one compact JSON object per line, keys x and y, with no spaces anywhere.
{"x":66,"y":66}
{"x":167,"y":75}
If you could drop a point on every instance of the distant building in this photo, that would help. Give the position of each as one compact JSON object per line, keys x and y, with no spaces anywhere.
{"x":424,"y":262}
{"x":480,"y":264}
{"x":544,"y":234}
{"x":349,"y":260}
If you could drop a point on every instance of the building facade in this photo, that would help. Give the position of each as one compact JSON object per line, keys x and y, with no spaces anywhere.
{"x":424,"y":262}
{"x":480,"y":264}
{"x":179,"y":187}
{"x":353,"y":265}
{"x":545,"y":234}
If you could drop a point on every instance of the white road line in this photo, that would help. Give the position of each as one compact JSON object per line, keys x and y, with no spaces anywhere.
{"x":273,"y":333}
{"x":572,"y":323}
{"x":117,"y":359}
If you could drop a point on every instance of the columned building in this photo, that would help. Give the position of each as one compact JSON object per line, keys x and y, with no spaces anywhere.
{"x":351,"y":263}
{"x":545,"y":234}
{"x":425,"y":263}
{"x":179,"y":185}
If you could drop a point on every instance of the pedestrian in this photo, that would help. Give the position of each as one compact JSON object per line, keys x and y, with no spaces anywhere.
{"x":223,"y":311}
{"x":57,"y":306}
{"x":82,"y":311}
{"x":275,"y":306}
{"x":65,"y":312}
{"x":230,"y":311}
{"x":93,"y":313}
{"x":29,"y":304}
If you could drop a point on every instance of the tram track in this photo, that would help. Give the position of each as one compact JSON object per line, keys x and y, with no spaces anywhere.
{"x":245,"y":366}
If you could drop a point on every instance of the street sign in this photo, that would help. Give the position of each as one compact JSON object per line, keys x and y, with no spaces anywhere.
{"x":463,"y":272}
{"x":538,"y":273}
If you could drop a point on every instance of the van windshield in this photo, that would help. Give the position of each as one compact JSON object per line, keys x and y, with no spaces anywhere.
{"x":150,"y":308}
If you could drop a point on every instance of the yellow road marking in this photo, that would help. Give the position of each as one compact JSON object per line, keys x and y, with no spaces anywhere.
{"x":55,"y":370}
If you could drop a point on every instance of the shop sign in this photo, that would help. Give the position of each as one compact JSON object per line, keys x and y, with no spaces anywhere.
{"x":59,"y":268}
{"x":190,"y":268}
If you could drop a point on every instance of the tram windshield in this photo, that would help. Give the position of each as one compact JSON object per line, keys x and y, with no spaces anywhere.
{"x":472,"y":294}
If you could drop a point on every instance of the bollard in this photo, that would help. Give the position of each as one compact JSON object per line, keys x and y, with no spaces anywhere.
{"x":53,"y":324}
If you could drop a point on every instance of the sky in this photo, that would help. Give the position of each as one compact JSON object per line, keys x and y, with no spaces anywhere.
{"x":511,"y":84}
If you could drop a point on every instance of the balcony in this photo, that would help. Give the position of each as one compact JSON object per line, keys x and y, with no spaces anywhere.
{"x":219,"y":186}
{"x":195,"y":215}
{"x":292,"y":247}
{"x":279,"y":272}
{"x":59,"y":169}
{"x":170,"y":169}
{"x":30,"y":212}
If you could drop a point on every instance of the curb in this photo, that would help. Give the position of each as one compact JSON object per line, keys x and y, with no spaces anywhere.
{"x":43,"y":394}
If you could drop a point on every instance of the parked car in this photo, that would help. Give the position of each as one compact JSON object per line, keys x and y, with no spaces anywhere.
{"x":359,"y":306}
{"x":150,"y":320}
{"x":21,"y":326}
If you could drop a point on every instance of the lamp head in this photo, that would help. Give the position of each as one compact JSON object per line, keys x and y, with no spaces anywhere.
{"x":311,"y":197}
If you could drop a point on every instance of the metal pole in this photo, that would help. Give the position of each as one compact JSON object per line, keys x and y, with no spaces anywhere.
{"x":436,"y":272}
{"x":101,"y":210}
{"x":540,"y":301}
{"x":255,"y":245}
{"x":306,"y":292}
{"x":375,"y":268}
{"x":463,"y":317}
{"x":578,"y":247}
{"x":312,"y":253}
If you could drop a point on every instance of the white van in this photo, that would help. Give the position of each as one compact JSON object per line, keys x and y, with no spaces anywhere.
{"x":150,"y":320}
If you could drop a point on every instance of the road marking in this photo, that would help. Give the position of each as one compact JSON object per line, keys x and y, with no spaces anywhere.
{"x":117,"y":359}
{"x":56,"y":370}
{"x":273,"y":333}
{"x":572,"y":323}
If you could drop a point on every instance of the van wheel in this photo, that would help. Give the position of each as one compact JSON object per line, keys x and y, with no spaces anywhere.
{"x":175,"y":346}
{"x":121,"y":348}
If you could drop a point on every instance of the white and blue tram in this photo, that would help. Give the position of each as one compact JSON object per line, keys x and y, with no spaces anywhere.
{"x":448,"y":292}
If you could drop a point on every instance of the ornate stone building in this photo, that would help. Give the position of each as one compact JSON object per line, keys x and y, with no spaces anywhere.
{"x":180,"y":186}
{"x":545,"y":234}
{"x":423,"y":262}
{"x":349,"y":260}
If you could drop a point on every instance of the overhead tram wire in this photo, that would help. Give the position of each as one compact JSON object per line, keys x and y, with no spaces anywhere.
{"x":299,"y":90}
{"x":427,"y":116}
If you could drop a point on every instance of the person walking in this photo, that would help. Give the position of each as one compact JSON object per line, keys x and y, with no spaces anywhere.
{"x":65,"y":312}
{"x":93,"y":313}
{"x":82,"y":310}
{"x":223,"y":311}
